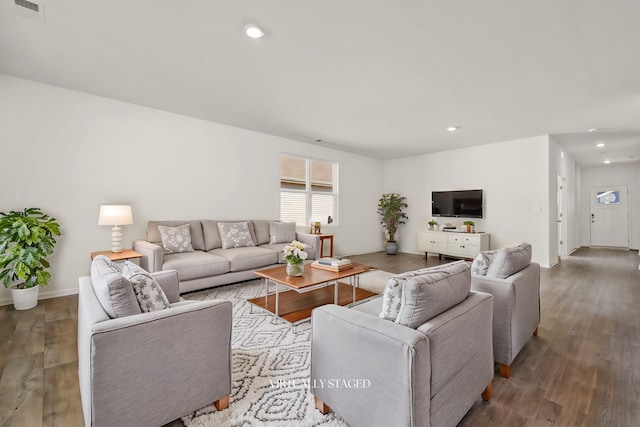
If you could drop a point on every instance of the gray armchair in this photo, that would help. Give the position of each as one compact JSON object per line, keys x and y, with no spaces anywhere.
{"x":151,"y":368}
{"x":375,"y":372}
{"x":516,"y":311}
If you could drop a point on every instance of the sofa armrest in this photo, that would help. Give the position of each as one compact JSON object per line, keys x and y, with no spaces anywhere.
{"x":170,"y":284}
{"x":368,"y":370}
{"x":516,"y":309}
{"x":152,"y":255}
{"x":312,"y":240}
{"x":134,"y":359}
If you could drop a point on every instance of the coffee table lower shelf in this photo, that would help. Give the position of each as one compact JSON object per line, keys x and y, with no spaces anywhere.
{"x":295,"y":307}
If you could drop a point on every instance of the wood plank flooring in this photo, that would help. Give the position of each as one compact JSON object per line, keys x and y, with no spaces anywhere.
{"x":582,"y":369}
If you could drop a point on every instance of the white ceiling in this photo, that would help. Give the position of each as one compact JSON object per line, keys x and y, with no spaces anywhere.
{"x":381,"y":78}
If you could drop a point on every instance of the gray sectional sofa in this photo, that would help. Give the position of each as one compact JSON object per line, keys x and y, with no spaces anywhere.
{"x":208,"y":264}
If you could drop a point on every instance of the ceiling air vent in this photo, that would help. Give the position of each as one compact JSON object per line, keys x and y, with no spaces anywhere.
{"x":32,"y":9}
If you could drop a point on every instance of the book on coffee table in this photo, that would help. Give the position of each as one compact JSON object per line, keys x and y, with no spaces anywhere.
{"x":332,"y":264}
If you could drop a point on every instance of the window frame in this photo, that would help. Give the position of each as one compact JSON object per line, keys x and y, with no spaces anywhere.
{"x":308,"y":188}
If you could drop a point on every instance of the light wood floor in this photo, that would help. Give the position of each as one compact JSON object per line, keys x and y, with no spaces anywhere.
{"x":582,"y":369}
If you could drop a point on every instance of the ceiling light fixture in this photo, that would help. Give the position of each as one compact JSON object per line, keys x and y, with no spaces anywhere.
{"x":606,"y":162}
{"x":593,"y":130}
{"x":599,"y":145}
{"x":453,"y":128}
{"x":254,"y":31}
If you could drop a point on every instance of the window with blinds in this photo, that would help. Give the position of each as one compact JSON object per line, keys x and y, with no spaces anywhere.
{"x":308,"y":190}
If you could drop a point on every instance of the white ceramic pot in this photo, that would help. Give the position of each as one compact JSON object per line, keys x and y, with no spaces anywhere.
{"x":24,"y":299}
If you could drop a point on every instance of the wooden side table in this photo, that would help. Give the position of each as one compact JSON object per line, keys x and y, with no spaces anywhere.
{"x":118,"y":256}
{"x":324,"y":237}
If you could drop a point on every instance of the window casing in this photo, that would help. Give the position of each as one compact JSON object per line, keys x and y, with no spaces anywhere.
{"x":308,"y":190}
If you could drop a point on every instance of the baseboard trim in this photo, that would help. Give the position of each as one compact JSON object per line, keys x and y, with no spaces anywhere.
{"x":44,"y":295}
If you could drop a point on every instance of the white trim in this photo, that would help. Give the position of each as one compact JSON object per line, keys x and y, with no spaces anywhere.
{"x":44,"y":295}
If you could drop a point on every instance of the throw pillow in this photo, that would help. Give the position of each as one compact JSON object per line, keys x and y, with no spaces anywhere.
{"x":282,"y":232}
{"x":509,"y":261}
{"x":235,"y":235}
{"x":176,"y":239}
{"x":433,"y":293}
{"x":481,"y":263}
{"x":114,"y":292}
{"x":149,"y":294}
{"x":392,"y":297}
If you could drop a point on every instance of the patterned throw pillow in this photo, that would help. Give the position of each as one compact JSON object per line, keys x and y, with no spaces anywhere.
{"x":282,"y":232}
{"x":176,"y":239}
{"x":481,"y":262}
{"x":235,"y":235}
{"x":148,"y":292}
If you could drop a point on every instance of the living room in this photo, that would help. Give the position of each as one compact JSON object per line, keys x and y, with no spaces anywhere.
{"x":86,"y":148}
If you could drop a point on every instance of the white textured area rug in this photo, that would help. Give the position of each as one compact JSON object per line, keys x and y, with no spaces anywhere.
{"x":271,"y":364}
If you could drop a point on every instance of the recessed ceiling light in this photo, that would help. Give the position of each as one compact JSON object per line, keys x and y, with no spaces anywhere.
{"x":453,"y":128}
{"x":593,"y":130}
{"x":599,"y":145}
{"x":606,"y":162}
{"x":254,"y":31}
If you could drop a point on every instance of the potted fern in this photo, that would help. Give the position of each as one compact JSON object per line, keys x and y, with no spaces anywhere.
{"x":390,"y":211}
{"x":26,"y":239}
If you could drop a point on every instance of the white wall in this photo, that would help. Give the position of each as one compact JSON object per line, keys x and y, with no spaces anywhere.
{"x":610,"y":175}
{"x":514,"y":176}
{"x":68,"y":152}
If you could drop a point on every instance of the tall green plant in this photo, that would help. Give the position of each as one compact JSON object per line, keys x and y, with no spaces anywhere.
{"x":26,"y":239}
{"x":390,"y":208}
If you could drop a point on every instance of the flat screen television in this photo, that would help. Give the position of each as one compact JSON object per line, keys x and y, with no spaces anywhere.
{"x":457,"y":204}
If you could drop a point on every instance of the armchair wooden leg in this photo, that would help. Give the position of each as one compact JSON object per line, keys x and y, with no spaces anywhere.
{"x":505,"y":371}
{"x":321,"y":406}
{"x":535,"y":333}
{"x":486,"y":394}
{"x":222,"y":403}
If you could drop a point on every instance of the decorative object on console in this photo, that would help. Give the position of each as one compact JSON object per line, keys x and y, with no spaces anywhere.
{"x":390,"y":211}
{"x":26,"y":239}
{"x":295,"y":255}
{"x":433,"y":224}
{"x":470,"y":226}
{"x":115,"y":215}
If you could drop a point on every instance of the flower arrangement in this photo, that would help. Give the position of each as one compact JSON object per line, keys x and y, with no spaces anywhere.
{"x":294,"y":252}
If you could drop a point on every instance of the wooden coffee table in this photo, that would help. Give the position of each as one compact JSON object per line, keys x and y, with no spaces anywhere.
{"x":313,"y":289}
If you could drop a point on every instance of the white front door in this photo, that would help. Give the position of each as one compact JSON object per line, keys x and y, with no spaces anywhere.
{"x":609,"y":216}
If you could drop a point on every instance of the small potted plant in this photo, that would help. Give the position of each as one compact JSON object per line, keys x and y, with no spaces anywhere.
{"x":432,"y":224}
{"x":390,"y":211}
{"x":470,"y":225}
{"x":26,"y":239}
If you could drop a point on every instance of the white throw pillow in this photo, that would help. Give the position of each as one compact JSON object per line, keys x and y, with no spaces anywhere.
{"x":235,"y":235}
{"x":148,"y":291}
{"x":176,"y":239}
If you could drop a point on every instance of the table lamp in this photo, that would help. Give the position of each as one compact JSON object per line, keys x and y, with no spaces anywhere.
{"x":115,"y":215}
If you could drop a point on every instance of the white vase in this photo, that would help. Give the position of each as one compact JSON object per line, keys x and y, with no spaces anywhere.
{"x":295,"y":270}
{"x":24,"y":299}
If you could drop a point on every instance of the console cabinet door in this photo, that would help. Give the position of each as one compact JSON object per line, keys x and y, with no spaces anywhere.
{"x":433,"y":242}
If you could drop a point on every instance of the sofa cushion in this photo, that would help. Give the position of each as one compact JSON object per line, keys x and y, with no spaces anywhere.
{"x":392,"y":296}
{"x":261,"y":228}
{"x":197,"y":239}
{"x":508,"y":261}
{"x":481,"y":262}
{"x":282,"y":232}
{"x":176,"y":239}
{"x":114,"y":291}
{"x":279,"y":248}
{"x":241,"y":259}
{"x":195,"y":265}
{"x":235,"y":235}
{"x":148,"y":292}
{"x":429,"y":294}
{"x":211,"y":234}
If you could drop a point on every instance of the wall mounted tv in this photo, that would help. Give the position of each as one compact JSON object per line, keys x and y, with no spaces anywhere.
{"x":457,"y":204}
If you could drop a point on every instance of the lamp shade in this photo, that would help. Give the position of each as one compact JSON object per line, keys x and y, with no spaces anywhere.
{"x":115,"y":215}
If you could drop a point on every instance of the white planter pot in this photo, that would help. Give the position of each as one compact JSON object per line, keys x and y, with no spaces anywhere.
{"x":24,"y":299}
